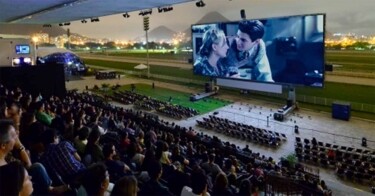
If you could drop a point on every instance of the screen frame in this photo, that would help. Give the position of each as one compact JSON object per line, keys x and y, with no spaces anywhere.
{"x":268,"y":18}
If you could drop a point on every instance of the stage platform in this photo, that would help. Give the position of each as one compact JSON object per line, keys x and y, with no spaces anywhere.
{"x":198,"y":96}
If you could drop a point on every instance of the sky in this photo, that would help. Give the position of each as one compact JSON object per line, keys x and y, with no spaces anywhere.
{"x":355,"y":16}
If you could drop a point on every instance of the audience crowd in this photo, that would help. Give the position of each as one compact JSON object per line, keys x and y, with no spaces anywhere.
{"x":80,"y":144}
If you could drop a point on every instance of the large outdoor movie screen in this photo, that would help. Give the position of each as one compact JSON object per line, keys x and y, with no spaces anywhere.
{"x":286,"y":50}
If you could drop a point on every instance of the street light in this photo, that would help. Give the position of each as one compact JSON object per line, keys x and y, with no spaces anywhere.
{"x":146,"y":27}
{"x":35,"y":40}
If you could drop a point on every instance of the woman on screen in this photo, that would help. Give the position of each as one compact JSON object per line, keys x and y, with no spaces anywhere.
{"x":213,"y":48}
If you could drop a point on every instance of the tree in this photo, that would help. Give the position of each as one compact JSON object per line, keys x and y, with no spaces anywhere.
{"x":110,"y":45}
{"x":92,"y":45}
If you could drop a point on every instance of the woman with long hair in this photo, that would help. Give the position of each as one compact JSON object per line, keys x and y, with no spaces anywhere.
{"x":213,"y":48}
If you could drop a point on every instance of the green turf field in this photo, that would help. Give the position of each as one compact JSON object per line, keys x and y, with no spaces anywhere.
{"x":152,"y":54}
{"x":340,"y":91}
{"x":360,"y":61}
{"x":180,"y":98}
{"x":154,"y":69}
{"x":352,"y":60}
{"x":349,"y":60}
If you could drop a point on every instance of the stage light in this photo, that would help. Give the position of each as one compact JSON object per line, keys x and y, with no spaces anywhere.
{"x":145,"y":12}
{"x":200,"y":3}
{"x":126,"y":15}
{"x":165,"y":9}
{"x":94,"y":19}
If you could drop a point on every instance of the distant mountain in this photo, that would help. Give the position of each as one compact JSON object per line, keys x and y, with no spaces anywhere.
{"x":161,"y":33}
{"x":211,"y":17}
{"x":29,"y":29}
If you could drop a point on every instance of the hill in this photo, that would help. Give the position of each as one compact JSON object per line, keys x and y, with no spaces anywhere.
{"x":161,"y":33}
{"x":211,"y":17}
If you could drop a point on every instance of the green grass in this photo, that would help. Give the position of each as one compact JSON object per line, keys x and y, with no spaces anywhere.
{"x":157,"y":54}
{"x":352,"y":60}
{"x":179,"y":98}
{"x":340,"y":91}
{"x":154,"y":69}
{"x":335,"y":91}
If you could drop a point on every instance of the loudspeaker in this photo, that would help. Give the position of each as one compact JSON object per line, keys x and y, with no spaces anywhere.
{"x":243,"y":14}
{"x":207,"y":87}
{"x":278,"y":117}
{"x":328,"y":67}
{"x":296,"y":130}
{"x":341,"y":110}
{"x":364,"y":142}
{"x":289,"y":103}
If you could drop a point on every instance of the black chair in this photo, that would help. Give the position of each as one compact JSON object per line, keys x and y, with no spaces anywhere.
{"x":324,"y":162}
{"x":358,"y":150}
{"x":349,"y":174}
{"x":315,"y":159}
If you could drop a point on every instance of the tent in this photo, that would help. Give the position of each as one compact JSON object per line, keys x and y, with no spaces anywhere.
{"x":141,"y":67}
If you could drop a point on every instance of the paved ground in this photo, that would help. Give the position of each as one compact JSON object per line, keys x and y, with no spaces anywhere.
{"x":255,"y":112}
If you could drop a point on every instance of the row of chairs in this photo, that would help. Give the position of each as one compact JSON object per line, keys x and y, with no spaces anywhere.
{"x":242,"y":131}
{"x":348,"y":164}
{"x":327,"y":145}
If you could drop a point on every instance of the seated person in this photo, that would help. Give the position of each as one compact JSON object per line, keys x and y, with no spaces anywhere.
{"x":15,"y":180}
{"x":199,"y":184}
{"x":61,"y":157}
{"x":127,"y":185}
{"x":116,"y":168}
{"x":153,"y":186}
{"x":96,"y":180}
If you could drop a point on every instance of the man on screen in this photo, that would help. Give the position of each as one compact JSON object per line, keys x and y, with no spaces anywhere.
{"x":248,"y":52}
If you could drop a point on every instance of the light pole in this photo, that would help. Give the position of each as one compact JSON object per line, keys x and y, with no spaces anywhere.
{"x":146,"y":28}
{"x":35,"y":40}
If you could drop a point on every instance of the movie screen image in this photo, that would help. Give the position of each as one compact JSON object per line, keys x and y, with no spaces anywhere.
{"x":284,"y":50}
{"x":22,"y":49}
